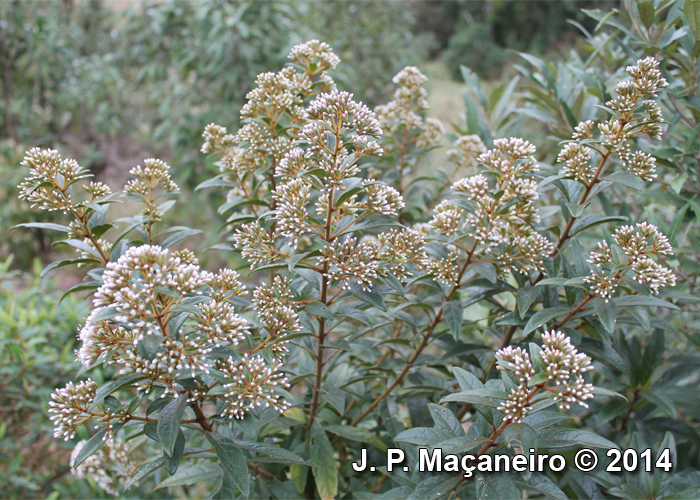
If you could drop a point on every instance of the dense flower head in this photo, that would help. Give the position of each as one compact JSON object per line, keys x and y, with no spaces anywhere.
{"x":47,"y":186}
{"x":468,"y":149}
{"x":154,"y":173}
{"x":314,"y":52}
{"x":577,"y":159}
{"x":641,"y":244}
{"x":517,"y":360}
{"x":253,"y":385}
{"x":398,"y":248}
{"x":350,"y":262}
{"x":277,"y":311}
{"x":256,"y":245}
{"x":69,"y":407}
{"x":562,"y":360}
{"x":563,"y":365}
{"x":500,"y":215}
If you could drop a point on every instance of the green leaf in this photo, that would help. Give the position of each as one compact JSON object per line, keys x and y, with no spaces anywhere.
{"x":541,"y":317}
{"x":299,"y":475}
{"x":565,"y":437}
{"x":144,"y":470}
{"x":646,"y":12}
{"x":543,"y":485}
{"x":467,"y":381}
{"x":203,"y":473}
{"x":461,"y":444}
{"x":627,"y":179}
{"x":691,"y":9}
{"x":179,"y":236}
{"x":173,"y":461}
{"x":232,"y":460}
{"x":485,"y":269}
{"x":662,"y":401}
{"x":640,"y":300}
{"x":43,"y":225}
{"x":445,"y":420}
{"x":114,"y":386}
{"x":67,"y":262}
{"x":357,"y":434}
{"x":453,"y":312}
{"x":169,"y":423}
{"x":372,"y":298}
{"x":434,"y":487}
{"x":423,"y":436}
{"x":319,"y":309}
{"x":90,"y":447}
{"x":326,"y":470}
{"x":226,"y":490}
{"x":526,"y":296}
{"x":523,"y":434}
{"x":80,"y":245}
{"x":607,"y":312}
{"x":469,"y":397}
{"x":678,"y":182}
{"x":593,"y":220}
{"x":269,"y":450}
{"x":336,"y":398}
{"x":495,"y":487}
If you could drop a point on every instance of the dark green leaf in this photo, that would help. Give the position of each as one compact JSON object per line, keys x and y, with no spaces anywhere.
{"x":90,"y":447}
{"x":326,"y":470}
{"x":232,"y":460}
{"x":453,"y":312}
{"x":169,"y":423}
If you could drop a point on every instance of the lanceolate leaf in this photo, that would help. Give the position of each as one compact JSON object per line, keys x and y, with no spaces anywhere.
{"x":232,"y":460}
{"x":92,"y":445}
{"x":453,"y":314}
{"x":326,"y":470}
{"x":169,"y":423}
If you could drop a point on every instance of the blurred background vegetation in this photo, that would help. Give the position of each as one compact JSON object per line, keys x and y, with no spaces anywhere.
{"x":111,"y":83}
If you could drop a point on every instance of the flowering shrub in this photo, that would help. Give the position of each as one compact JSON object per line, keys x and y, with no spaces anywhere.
{"x":366,"y":277}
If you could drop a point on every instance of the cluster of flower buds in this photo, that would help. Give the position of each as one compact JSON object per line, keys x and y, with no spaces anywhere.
{"x":69,"y":407}
{"x":401,"y":119}
{"x":467,"y":150}
{"x":51,"y":177}
{"x":633,"y":115}
{"x":516,"y":360}
{"x":277,"y":311}
{"x":108,"y":466}
{"x":563,"y":365}
{"x":152,"y":180}
{"x":500,"y":217}
{"x":277,"y":100}
{"x":639,"y":251}
{"x":401,"y":115}
{"x":254,"y":385}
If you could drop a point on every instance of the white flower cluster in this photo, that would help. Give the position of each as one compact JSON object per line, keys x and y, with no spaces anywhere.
{"x":277,"y":311}
{"x":468,"y":149}
{"x":51,"y":177}
{"x":253,"y":386}
{"x":641,"y":247}
{"x":502,"y":216}
{"x":564,"y":366}
{"x":69,"y":407}
{"x":140,"y":295}
{"x":108,"y":466}
{"x":615,"y":132}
